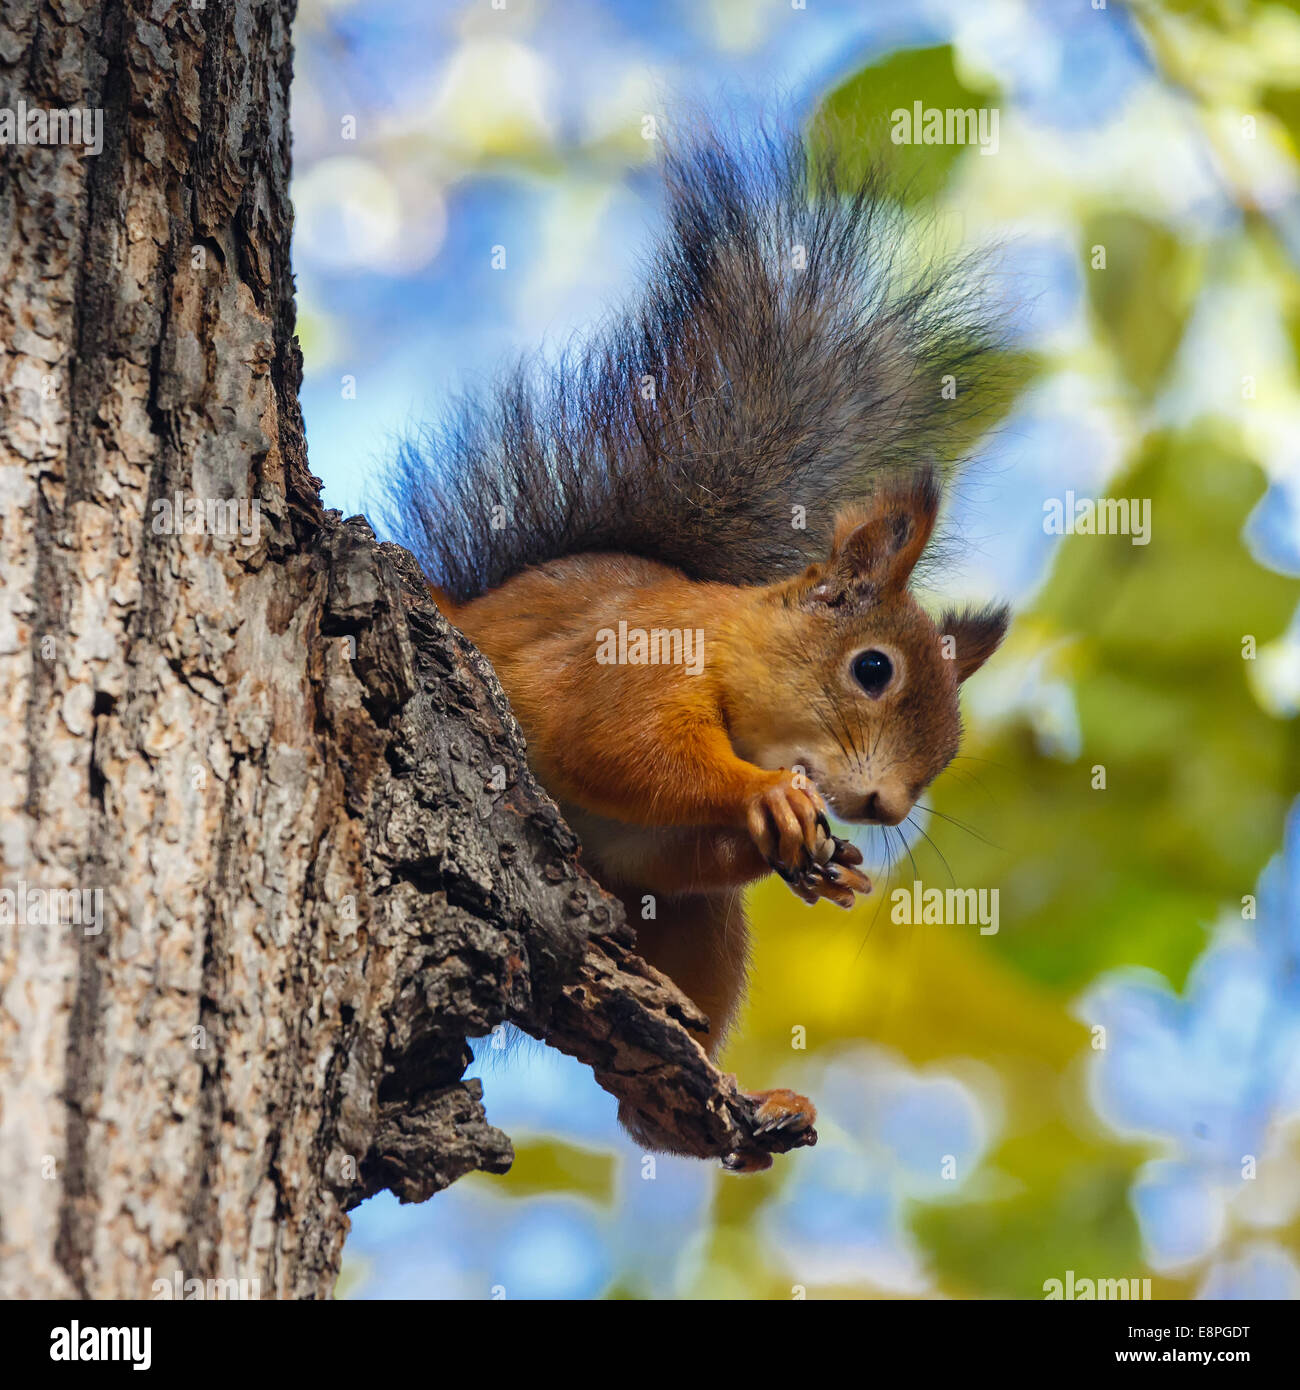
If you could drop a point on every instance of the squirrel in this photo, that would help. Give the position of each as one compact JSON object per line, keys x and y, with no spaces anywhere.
{"x":699,"y":603}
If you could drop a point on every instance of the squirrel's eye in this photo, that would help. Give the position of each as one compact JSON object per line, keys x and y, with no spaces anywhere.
{"x":872,"y":671}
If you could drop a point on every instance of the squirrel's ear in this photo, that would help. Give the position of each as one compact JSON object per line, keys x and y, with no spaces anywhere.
{"x":970,"y":638}
{"x":880,"y":542}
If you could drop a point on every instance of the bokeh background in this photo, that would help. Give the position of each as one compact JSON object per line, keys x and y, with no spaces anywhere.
{"x":1111,"y":1083}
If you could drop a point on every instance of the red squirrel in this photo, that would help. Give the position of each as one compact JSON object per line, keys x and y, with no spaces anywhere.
{"x":686,"y":547}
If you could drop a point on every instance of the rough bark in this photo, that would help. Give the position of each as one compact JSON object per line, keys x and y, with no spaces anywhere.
{"x":323,"y":860}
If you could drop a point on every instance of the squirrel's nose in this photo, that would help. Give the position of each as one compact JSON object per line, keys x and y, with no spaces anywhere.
{"x":878,"y":812}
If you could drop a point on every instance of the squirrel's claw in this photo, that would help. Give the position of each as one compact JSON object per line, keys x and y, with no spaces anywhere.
{"x":845,"y":876}
{"x":846,"y":852}
{"x":780,"y":872}
{"x":773,"y":1125}
{"x":747,"y":1163}
{"x":800,"y":883}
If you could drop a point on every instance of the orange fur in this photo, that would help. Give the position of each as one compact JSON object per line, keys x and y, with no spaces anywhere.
{"x":684,"y":788}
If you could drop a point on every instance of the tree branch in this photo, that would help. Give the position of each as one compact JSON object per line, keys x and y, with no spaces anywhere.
{"x":473,"y":870}
{"x":633,"y":1027}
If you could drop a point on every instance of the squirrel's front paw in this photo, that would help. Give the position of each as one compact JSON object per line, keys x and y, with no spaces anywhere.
{"x":787,"y":821}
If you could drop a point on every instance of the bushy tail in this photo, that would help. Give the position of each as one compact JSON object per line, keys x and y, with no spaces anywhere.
{"x":791,"y":345}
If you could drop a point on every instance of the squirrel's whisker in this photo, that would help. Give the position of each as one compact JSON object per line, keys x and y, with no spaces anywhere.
{"x":960,"y":824}
{"x":920,"y":830}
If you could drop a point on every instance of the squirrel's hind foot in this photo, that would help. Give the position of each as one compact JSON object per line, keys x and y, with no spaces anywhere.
{"x":781,"y":1110}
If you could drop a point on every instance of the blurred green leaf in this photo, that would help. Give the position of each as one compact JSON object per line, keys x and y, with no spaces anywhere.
{"x":1198,"y":776}
{"x":1144,"y":294}
{"x":1009,"y":1248}
{"x":552,"y":1166}
{"x":858,"y":116}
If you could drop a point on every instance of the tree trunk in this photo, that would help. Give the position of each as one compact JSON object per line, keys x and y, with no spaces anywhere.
{"x":296,"y":795}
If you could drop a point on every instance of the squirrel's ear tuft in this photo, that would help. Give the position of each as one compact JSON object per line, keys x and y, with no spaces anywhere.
{"x":879,"y":542}
{"x":974,"y":635}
